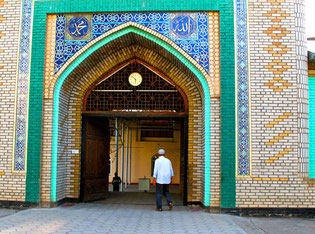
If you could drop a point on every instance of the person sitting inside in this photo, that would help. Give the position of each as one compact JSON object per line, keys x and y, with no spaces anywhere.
{"x":116,"y":182}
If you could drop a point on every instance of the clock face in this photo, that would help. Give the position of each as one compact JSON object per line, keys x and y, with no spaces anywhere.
{"x":135,"y":79}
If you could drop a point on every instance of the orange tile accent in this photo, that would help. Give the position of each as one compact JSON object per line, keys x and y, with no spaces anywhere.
{"x":2,"y":3}
{"x":278,"y":138}
{"x":284,"y":179}
{"x":278,"y":120}
{"x":269,"y":179}
{"x":269,"y":161}
{"x":278,"y":84}
{"x":277,"y":48}
{"x":279,"y":155}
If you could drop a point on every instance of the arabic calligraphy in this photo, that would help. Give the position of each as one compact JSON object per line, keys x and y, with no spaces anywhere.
{"x":78,"y":26}
{"x":183,"y":26}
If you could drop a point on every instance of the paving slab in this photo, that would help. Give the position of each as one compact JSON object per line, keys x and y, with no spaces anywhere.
{"x":124,"y":218}
{"x":6,"y":212}
{"x":276,"y":225}
{"x":116,"y":218}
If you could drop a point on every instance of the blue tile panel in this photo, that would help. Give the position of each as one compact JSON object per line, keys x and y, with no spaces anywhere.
{"x":243,"y":118}
{"x":22,"y":88}
{"x":187,"y":30}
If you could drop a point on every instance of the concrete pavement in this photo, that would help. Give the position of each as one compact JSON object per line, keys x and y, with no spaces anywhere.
{"x":121,"y":218}
{"x":6,"y":212}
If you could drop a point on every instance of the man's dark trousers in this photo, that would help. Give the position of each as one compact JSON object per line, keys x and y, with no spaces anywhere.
{"x":162,"y":189}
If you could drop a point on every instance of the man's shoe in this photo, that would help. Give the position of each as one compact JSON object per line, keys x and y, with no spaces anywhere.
{"x":170,"y":206}
{"x":158,"y":209}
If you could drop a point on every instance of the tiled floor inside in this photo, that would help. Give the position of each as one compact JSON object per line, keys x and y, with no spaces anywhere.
{"x":131,"y":195}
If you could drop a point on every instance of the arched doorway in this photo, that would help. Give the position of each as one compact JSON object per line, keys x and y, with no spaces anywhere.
{"x":125,"y":121}
{"x":100,"y":58}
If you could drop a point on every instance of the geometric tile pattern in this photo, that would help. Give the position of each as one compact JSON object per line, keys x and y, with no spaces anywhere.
{"x":187,"y":30}
{"x":278,"y":138}
{"x":277,"y":49}
{"x":243,"y":110}
{"x":22,"y":88}
{"x":275,"y":113}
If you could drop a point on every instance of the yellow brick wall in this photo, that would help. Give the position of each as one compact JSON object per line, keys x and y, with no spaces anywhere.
{"x":12,"y":184}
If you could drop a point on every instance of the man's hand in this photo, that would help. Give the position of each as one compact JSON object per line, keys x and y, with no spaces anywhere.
{"x":154,"y":182}
{"x":171,"y":180}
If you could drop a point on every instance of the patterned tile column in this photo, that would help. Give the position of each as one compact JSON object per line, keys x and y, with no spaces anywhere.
{"x":243,"y":98}
{"x":20,"y":139}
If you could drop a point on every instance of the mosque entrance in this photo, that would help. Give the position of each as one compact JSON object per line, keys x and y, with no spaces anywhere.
{"x":128,"y":116}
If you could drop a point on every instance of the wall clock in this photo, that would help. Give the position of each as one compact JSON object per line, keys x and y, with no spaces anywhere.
{"x":135,"y":79}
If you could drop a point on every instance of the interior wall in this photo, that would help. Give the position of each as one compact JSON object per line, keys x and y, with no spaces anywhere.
{"x":141,"y":154}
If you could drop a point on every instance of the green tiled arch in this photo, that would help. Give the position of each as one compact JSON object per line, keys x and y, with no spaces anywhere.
{"x":81,"y":58}
{"x":227,"y":60}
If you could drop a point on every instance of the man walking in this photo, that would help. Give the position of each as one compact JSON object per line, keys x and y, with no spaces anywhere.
{"x":162,"y":178}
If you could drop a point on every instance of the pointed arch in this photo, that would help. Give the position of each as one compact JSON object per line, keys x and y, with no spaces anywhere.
{"x":165,"y":43}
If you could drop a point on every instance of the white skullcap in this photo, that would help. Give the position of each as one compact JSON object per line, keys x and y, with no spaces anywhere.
{"x":161,"y":152}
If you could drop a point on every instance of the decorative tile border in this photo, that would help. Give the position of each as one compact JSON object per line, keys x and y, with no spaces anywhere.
{"x":243,"y":142}
{"x":243,"y":156}
{"x":214,"y":53}
{"x":21,"y":112}
{"x":224,"y":7}
{"x":188,"y":30}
